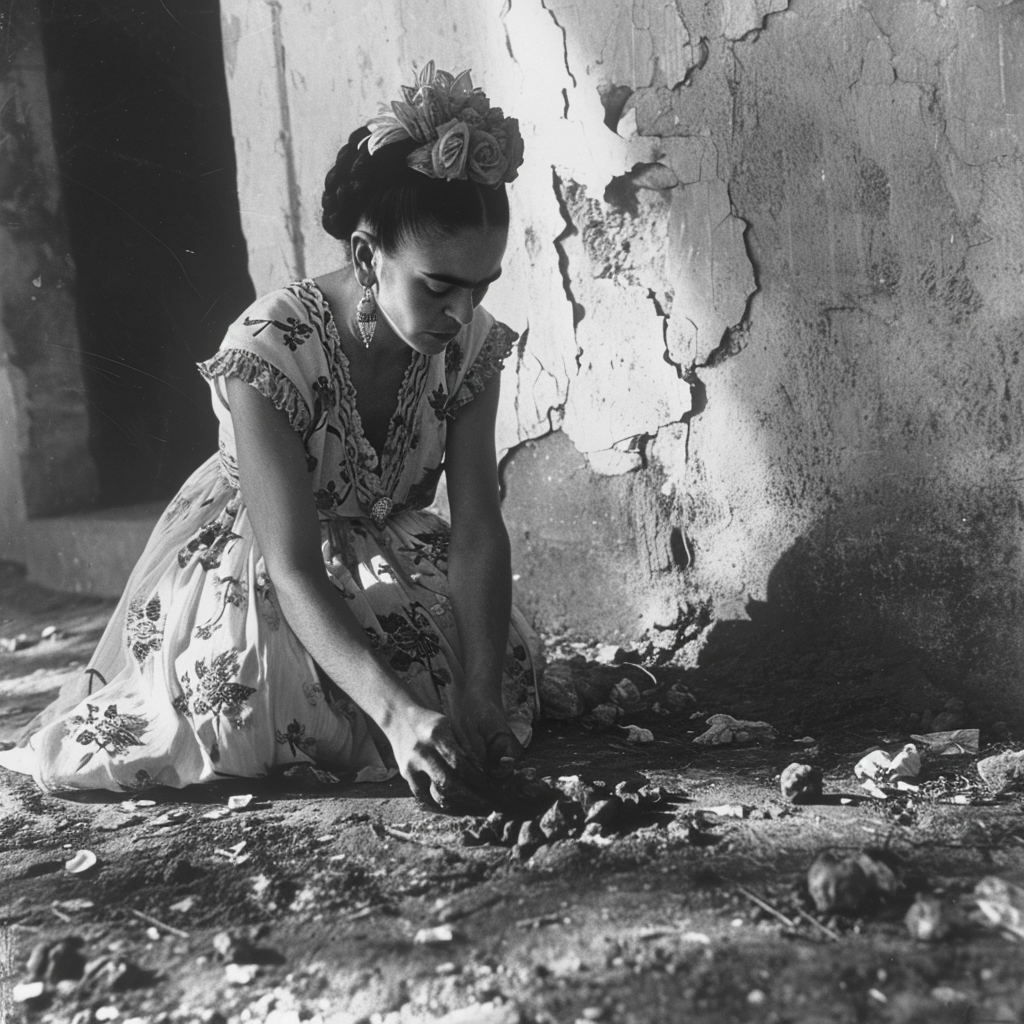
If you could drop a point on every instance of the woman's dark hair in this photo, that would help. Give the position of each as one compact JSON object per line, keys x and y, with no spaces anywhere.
{"x":399,"y":203}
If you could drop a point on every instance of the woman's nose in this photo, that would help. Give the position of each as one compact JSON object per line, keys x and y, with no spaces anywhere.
{"x":460,"y":308}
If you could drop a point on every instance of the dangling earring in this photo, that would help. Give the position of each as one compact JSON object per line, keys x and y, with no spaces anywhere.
{"x":366,"y":317}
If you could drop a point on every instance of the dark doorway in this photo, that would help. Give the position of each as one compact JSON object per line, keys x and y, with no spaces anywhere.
{"x":144,"y":146}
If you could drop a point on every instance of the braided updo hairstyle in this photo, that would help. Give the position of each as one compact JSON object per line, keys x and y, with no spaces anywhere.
{"x":398,"y":203}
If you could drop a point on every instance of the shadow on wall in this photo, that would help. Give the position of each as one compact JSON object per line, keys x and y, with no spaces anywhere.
{"x":926,"y":601}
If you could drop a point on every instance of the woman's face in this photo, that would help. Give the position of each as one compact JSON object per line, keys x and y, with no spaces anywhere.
{"x":428,"y":289}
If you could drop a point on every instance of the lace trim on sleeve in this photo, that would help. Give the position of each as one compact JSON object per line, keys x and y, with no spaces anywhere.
{"x":497,"y":347}
{"x":268,"y":380}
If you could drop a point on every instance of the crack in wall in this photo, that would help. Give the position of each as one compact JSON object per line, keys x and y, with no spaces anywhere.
{"x":565,"y":43}
{"x":506,"y":10}
{"x":578,"y":312}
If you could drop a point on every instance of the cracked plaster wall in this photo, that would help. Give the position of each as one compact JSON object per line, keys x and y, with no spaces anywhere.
{"x":766,"y":261}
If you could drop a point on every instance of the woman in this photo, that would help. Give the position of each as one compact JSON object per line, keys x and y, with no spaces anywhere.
{"x":340,"y":400}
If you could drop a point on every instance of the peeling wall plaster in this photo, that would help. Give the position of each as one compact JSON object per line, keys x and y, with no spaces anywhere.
{"x":766,"y":261}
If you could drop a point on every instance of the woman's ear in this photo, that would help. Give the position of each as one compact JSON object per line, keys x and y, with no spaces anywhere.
{"x":363,"y":246}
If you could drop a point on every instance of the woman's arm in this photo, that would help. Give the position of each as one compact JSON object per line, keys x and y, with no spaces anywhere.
{"x":275,"y":487}
{"x":479,"y":575}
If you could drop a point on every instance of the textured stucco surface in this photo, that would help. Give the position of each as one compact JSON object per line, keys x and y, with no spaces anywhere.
{"x":766,"y":260}
{"x":45,"y":465}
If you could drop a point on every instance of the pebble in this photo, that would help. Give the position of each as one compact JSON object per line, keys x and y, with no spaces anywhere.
{"x":837,"y":884}
{"x":27,"y":991}
{"x":1004,"y":771}
{"x":240,"y":974}
{"x":801,"y":783}
{"x":436,"y":936}
{"x":625,"y":692}
{"x":15,"y":643}
{"x":234,"y":948}
{"x":929,"y":919}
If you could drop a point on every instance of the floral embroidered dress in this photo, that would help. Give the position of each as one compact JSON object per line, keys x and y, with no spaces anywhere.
{"x":198,"y":676}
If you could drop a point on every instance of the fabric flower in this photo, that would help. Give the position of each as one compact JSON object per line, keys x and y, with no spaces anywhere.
{"x":508,"y":137}
{"x":461,"y":135}
{"x":487,"y":163}
{"x":451,"y":149}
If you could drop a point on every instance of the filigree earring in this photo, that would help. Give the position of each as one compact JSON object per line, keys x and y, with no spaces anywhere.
{"x":366,"y":317}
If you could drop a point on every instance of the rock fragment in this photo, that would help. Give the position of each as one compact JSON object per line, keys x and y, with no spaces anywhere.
{"x":1001,"y":905}
{"x":929,"y":919}
{"x":1003,"y":772}
{"x":837,"y":884}
{"x":801,"y":783}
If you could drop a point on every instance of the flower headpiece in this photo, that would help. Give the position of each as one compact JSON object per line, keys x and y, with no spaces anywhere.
{"x":461,"y":134}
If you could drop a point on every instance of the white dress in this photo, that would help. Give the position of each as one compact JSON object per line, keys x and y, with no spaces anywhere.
{"x":198,"y":677}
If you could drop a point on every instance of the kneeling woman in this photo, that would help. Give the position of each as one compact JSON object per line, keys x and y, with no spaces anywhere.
{"x":296,"y":603}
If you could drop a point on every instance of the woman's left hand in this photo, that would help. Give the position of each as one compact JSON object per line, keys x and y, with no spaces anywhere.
{"x":482,"y":729}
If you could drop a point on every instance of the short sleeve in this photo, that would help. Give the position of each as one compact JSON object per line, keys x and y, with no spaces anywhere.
{"x":276,"y":346}
{"x":469,"y":369}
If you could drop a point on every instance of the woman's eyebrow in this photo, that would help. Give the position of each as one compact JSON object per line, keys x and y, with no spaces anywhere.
{"x":461,"y":282}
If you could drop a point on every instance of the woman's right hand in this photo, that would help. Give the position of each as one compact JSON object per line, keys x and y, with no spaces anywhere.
{"x":432,"y":763}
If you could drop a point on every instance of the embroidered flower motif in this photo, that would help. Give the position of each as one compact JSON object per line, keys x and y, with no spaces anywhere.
{"x":230,"y":591}
{"x":215,"y":689}
{"x":210,"y":541}
{"x":405,"y":640}
{"x":296,"y":738}
{"x":429,"y":547}
{"x":293,"y":331}
{"x":462,"y":136}
{"x":438,"y":400}
{"x":111,"y":731}
{"x":144,"y":635}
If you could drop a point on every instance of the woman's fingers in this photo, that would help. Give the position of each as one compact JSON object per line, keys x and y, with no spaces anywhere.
{"x":502,"y":748}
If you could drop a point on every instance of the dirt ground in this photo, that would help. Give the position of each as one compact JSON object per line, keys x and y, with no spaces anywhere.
{"x":344,"y":903}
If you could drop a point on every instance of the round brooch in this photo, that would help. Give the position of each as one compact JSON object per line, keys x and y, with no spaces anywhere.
{"x":381,"y":509}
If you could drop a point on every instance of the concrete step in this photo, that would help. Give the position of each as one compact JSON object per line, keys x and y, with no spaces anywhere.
{"x":89,"y":552}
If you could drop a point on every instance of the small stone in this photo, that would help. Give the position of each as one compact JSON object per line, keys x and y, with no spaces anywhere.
{"x":240,"y":974}
{"x":1001,"y":904}
{"x":436,"y":936}
{"x":679,"y":697}
{"x":49,"y":632}
{"x":555,"y":821}
{"x":473,"y":836}
{"x":530,"y":834}
{"x":28,"y":991}
{"x":510,"y":832}
{"x":234,"y":948}
{"x":1003,"y":772}
{"x":837,"y":885}
{"x":573,"y":788}
{"x":495,"y":821}
{"x":625,"y":693}
{"x":636,"y":734}
{"x":603,"y":716}
{"x":15,"y":643}
{"x":608,"y":654}
{"x":801,"y":783}
{"x":929,"y":919}
{"x":651,"y":795}
{"x":38,"y":960}
{"x":559,"y":695}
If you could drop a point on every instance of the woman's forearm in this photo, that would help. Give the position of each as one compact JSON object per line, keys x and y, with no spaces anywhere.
{"x":480,"y":583}
{"x":332,"y":635}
